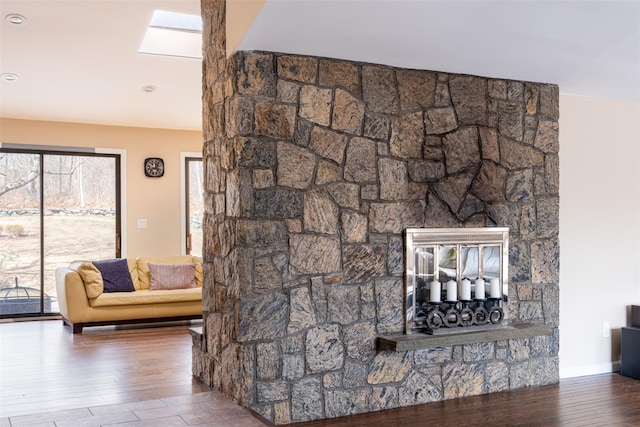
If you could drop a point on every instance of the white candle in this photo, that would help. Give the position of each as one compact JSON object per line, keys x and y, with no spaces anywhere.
{"x":434,"y":295}
{"x":479,"y":291}
{"x":465,"y":292}
{"x":494,"y":289}
{"x":452,"y":290}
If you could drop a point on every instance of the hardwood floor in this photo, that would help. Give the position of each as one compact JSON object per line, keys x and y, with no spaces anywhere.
{"x":44,"y":368}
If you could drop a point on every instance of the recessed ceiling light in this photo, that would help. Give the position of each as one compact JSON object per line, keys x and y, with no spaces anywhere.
{"x":15,"y":19}
{"x":149,"y":88}
{"x":9,"y":77}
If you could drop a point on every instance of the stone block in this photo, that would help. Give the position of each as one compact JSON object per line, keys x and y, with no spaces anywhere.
{"x":275,"y":120}
{"x":519,"y":349}
{"x":360,"y":340}
{"x":301,"y":314}
{"x":256,"y":74}
{"x":360,"y":165}
{"x":342,"y":304}
{"x":315,"y":104}
{"x":266,"y":275}
{"x":355,"y":375}
{"x":416,"y":88}
{"x":468,"y":94}
{"x":379,"y":89}
{"x":324,"y":349}
{"x":461,"y":149}
{"x":548,"y":217}
{"x":497,"y":89}
{"x":407,"y":136}
{"x":510,"y":119}
{"x":519,"y":186}
{"x":531,"y":97}
{"x":353,"y":227}
{"x":287,"y":91}
{"x":340,"y":74}
{"x":518,"y":156}
{"x":489,"y":184}
{"x":348,"y":113}
{"x":440,"y":120}
{"x":394,"y":182}
{"x":262,"y":178}
{"x":489,"y":144}
{"x":264,"y":317}
{"x":332,"y":380}
{"x":320,"y":212}
{"x":267,"y":362}
{"x":385,"y":397}
{"x":545,"y":258}
{"x":292,"y":366}
{"x":340,"y":403}
{"x":519,"y":262}
{"x":433,"y":356}
{"x":552,"y":173}
{"x":238,"y":116}
{"x":395,"y":256}
{"x":426,"y":170}
{"x":460,"y":380}
{"x":302,"y":135}
{"x":328,"y":172}
{"x":299,"y":68}
{"x":281,"y":413}
{"x":376,"y":126}
{"x":442,"y":98}
{"x":306,"y":399}
{"x":393,"y":217}
{"x":478,"y":351}
{"x":260,"y":232}
{"x":515,"y":90}
{"x":496,"y":377}
{"x":256,"y":153}
{"x":549,"y":102}
{"x":419,"y":389}
{"x":295,"y":166}
{"x":389,"y":367}
{"x":278,"y":203}
{"x":345,"y":194}
{"x":311,"y":254}
{"x":389,"y":304}
{"x":362,"y":261}
{"x":453,"y":188}
{"x":328,"y":144}
{"x":547,"y":139}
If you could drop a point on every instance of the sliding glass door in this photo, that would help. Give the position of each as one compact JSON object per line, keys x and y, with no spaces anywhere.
{"x":55,"y":208}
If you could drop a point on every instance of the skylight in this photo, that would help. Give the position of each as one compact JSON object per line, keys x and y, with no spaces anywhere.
{"x":173,"y":34}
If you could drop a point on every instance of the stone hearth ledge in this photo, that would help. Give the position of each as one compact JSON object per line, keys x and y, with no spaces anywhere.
{"x":416,"y":341}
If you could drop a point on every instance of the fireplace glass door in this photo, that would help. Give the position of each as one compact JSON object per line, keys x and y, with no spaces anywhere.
{"x":452,"y":266}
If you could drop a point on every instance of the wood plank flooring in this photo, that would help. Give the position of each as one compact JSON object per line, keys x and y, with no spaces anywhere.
{"x":44,"y":368}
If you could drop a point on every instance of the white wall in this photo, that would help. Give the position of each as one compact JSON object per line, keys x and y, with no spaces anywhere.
{"x":599,"y":229}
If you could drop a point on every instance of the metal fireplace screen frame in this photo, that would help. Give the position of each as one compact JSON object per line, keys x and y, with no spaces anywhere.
{"x":460,"y":253}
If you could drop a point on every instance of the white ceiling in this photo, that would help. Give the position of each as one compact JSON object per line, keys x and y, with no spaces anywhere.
{"x":78,"y":60}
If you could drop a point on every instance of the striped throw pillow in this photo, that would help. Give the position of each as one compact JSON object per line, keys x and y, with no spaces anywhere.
{"x":172,"y":276}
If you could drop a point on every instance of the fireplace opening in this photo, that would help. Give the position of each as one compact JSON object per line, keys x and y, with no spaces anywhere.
{"x":456,"y":279}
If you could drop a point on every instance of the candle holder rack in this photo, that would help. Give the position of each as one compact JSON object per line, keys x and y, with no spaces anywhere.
{"x":456,"y":316}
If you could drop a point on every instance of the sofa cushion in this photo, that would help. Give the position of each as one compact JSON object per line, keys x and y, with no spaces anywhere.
{"x":91,"y":278}
{"x":147,"y":297}
{"x":144,"y":275}
{"x":172,"y":276}
{"x":115,"y":275}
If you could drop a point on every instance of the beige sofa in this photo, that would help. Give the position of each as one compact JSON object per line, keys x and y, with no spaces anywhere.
{"x":143,"y":305}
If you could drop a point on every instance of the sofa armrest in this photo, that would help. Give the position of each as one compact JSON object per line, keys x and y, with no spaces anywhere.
{"x":72,"y":296}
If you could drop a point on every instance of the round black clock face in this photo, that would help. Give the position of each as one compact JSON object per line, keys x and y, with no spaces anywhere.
{"x":154,"y":167}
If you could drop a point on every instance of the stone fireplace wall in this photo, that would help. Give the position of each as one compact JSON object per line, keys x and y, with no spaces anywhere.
{"x":313,"y":168}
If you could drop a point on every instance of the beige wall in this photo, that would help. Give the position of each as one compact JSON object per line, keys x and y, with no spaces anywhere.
{"x":599,"y":229}
{"x":157,"y":200}
{"x":240,"y":16}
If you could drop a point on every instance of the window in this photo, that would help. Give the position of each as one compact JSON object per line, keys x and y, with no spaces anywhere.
{"x":193,"y":207}
{"x":55,"y":208}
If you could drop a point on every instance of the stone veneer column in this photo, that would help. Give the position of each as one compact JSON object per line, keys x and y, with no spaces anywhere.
{"x":313,"y":168}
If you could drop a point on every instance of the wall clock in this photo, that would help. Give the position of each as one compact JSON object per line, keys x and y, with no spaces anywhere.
{"x":154,"y":167}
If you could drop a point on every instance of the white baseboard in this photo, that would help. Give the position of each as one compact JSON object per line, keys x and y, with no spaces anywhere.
{"x":582,"y":371}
